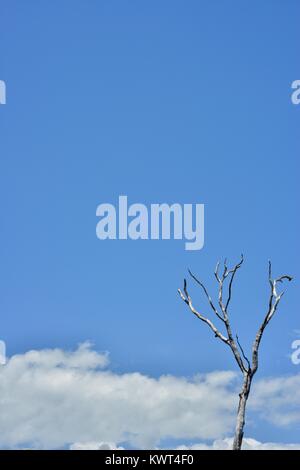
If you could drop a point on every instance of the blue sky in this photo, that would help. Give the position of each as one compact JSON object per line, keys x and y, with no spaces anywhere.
{"x":164,"y":101}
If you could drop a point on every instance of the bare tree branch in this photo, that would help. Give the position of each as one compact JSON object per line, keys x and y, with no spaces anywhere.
{"x":217,"y":271}
{"x":274,"y":300}
{"x":248,"y":370}
{"x":224,"y":317}
{"x":233,"y":271}
{"x":243,"y":354}
{"x":224,"y":308}
{"x":187,"y":299}
{"x":207,"y":295}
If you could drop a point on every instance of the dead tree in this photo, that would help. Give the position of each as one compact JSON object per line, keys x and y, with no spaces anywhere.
{"x":248,"y":369}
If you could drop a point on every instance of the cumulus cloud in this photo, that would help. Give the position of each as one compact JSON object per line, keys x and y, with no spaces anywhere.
{"x":54,"y":398}
{"x":277,"y":399}
{"x":95,"y":446}
{"x":248,"y":444}
{"x":220,"y":444}
{"x":82,"y":358}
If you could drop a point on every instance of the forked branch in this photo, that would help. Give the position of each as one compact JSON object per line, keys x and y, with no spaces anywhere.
{"x":247,"y":368}
{"x":222,"y":314}
{"x":274,"y":300}
{"x":187,"y":299}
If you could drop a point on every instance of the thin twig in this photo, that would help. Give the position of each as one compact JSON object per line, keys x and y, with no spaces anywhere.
{"x":207,"y":295}
{"x":243,"y":354}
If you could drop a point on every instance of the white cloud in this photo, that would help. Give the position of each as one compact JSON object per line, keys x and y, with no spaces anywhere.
{"x":220,"y":444}
{"x":277,"y":399}
{"x":53,"y":398}
{"x":248,"y":444}
{"x":82,"y":358}
{"x":95,"y":446}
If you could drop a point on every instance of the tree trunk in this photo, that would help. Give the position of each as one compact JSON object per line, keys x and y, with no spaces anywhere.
{"x":240,"y":421}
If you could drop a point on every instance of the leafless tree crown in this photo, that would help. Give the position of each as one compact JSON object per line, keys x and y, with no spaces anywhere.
{"x":222,"y":311}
